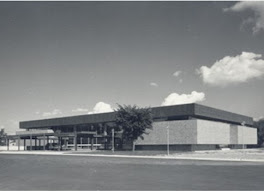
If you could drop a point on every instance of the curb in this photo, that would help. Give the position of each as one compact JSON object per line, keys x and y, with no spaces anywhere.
{"x":133,"y":156}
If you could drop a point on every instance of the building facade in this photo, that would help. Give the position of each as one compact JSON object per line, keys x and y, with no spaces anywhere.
{"x":181,"y":127}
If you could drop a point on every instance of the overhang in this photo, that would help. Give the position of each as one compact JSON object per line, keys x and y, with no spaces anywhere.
{"x":164,"y":113}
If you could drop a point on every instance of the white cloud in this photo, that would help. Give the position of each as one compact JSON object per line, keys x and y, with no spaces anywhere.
{"x":11,"y":126}
{"x":233,"y":70}
{"x":180,"y":80}
{"x":258,"y":118}
{"x":54,"y":112}
{"x":177,"y":73}
{"x":154,"y":84}
{"x":101,"y":107}
{"x":80,"y":110}
{"x":175,"y":99}
{"x":257,"y":7}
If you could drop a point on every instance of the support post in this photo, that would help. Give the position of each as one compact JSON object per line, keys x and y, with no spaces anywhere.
{"x":31,"y":142}
{"x":18,"y":143}
{"x":168,"y":140}
{"x":66,"y":143}
{"x":105,"y":143}
{"x":61,"y":143}
{"x":75,"y":138}
{"x":36,"y":143}
{"x":24,"y":144}
{"x":91,"y":143}
{"x":113,"y":140}
{"x":7,"y":143}
{"x":39,"y":143}
{"x":48,"y":142}
{"x":105,"y":138}
{"x":44,"y":142}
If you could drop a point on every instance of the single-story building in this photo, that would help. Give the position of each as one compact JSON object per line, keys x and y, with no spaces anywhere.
{"x":179,"y":127}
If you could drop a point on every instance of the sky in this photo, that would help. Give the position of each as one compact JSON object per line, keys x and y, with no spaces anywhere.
{"x":72,"y":58}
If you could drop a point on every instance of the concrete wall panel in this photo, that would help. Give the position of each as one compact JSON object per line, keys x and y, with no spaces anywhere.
{"x":209,"y":132}
{"x":233,"y":134}
{"x":247,"y":135}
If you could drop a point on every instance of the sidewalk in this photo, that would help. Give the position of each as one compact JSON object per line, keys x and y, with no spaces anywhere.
{"x":247,"y":155}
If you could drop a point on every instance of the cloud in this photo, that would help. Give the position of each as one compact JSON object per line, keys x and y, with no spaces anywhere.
{"x":177,"y":73}
{"x":180,"y":80}
{"x":10,"y":126}
{"x":258,"y":118}
{"x":233,"y":70}
{"x":257,"y":7}
{"x":101,"y":107}
{"x":154,"y":84}
{"x":54,"y":112}
{"x":175,"y":99}
{"x":80,"y":110}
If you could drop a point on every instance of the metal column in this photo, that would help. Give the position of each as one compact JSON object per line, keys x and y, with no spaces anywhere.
{"x":31,"y":141}
{"x":7,"y":143}
{"x":35,"y":143}
{"x":66,"y":143}
{"x":60,"y":145}
{"x":75,"y":138}
{"x":92,"y":140}
{"x":18,"y":143}
{"x":25,"y":144}
{"x":48,"y":142}
{"x":113,"y":140}
{"x":44,"y":142}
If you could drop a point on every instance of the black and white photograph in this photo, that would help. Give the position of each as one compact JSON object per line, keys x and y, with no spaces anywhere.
{"x":131,"y":95}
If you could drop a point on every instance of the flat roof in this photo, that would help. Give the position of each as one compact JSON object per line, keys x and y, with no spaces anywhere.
{"x":164,"y":113}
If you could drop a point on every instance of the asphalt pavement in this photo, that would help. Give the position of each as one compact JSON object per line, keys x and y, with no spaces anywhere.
{"x":60,"y":172}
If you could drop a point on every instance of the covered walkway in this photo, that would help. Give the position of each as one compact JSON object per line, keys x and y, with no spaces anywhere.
{"x":66,"y":138}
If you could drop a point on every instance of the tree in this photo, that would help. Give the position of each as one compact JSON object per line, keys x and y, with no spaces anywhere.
{"x":2,"y":137}
{"x":133,"y":122}
{"x":260,"y":128}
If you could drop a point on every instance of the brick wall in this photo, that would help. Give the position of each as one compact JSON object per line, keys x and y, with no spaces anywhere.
{"x":180,"y":132}
{"x":196,"y":131}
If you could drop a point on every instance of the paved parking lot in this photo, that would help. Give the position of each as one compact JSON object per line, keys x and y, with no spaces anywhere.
{"x":47,"y":172}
